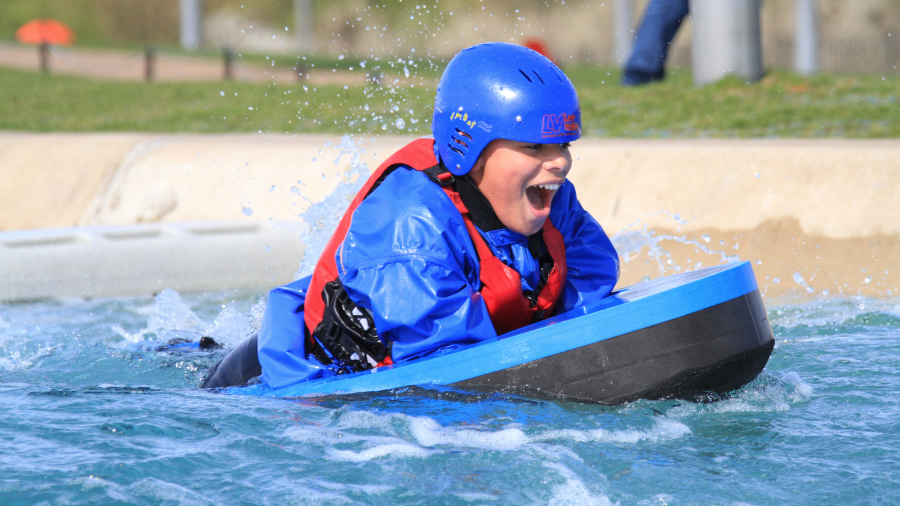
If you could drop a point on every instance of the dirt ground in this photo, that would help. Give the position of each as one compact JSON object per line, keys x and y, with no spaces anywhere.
{"x":131,"y":66}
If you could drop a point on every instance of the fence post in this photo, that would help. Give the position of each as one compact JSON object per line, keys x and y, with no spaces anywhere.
{"x":890,"y":53}
{"x":806,"y":58}
{"x":149,"y":63}
{"x":303,"y":25}
{"x":191,"y":15}
{"x":725,"y":40}
{"x":228,"y":59}
{"x":44,"y":55}
{"x":623,"y":27}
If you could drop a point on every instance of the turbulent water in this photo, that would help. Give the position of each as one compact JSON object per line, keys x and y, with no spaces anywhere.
{"x":93,"y":414}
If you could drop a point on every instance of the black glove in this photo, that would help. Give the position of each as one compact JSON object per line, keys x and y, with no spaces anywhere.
{"x":348,"y":332}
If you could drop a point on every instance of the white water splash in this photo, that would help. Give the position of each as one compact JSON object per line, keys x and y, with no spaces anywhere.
{"x":322,"y":218}
{"x":802,"y":282}
{"x":171,"y":318}
{"x":770,"y":392}
{"x":634,"y":238}
{"x":172,"y":315}
{"x":230,"y":327}
{"x":256,"y":313}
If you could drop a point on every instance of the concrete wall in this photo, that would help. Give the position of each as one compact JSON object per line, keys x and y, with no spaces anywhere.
{"x":819,"y":214}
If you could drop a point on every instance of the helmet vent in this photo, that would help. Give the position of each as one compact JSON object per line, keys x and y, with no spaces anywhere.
{"x":539,"y":77}
{"x":558,"y":76}
{"x":464,"y":134}
{"x":460,"y":142}
{"x":525,"y":75}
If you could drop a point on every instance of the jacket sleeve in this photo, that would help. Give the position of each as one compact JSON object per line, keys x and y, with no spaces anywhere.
{"x":281,"y":346}
{"x":591,"y":259}
{"x":407,"y":257}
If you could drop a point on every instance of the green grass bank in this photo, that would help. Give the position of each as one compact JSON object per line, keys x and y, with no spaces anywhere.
{"x":781,"y":105}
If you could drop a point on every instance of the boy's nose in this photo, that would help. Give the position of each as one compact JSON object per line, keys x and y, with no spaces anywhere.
{"x":557,"y":160}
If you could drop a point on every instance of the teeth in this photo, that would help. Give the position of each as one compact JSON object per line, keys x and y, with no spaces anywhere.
{"x":551,"y":187}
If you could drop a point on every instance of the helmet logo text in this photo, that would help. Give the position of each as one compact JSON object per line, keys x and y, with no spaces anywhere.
{"x":555,"y":125}
{"x":465,"y":117}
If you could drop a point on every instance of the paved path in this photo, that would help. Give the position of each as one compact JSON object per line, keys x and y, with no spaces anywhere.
{"x":130,"y":66}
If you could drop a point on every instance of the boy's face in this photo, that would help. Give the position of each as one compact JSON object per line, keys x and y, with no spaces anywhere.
{"x":520,"y":180}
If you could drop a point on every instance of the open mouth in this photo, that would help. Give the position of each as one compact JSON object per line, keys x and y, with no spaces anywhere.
{"x":540,"y":195}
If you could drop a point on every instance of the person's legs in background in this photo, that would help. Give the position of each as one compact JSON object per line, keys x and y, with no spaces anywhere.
{"x":651,"y":46}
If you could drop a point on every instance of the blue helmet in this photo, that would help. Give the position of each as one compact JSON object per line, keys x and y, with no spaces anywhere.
{"x":501,"y":91}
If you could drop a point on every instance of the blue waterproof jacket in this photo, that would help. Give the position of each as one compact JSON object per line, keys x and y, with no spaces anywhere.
{"x":408,"y":258}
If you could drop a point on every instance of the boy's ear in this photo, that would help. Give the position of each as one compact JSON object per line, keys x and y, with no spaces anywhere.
{"x":477,"y":171}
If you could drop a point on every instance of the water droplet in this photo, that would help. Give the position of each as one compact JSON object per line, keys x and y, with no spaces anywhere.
{"x":799,"y":279}
{"x":400,"y":124}
{"x":825,"y":292}
{"x":757,"y":175}
{"x":221,"y":93}
{"x":268,"y":248}
{"x":705,"y":237}
{"x":405,"y":71}
{"x":272,"y":189}
{"x":295,"y":190}
{"x":776,"y":280}
{"x":250,"y":108}
{"x":340,"y":57}
{"x":518,"y":118}
{"x":867,"y":280}
{"x":246,"y":210}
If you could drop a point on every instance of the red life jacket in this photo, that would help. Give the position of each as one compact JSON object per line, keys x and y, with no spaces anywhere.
{"x":501,"y":288}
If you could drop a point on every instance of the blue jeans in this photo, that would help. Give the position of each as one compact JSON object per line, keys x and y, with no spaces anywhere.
{"x":651,"y":46}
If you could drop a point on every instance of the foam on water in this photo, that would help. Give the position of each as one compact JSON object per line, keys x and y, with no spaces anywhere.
{"x":662,"y":429}
{"x":573,"y":491}
{"x":421,"y":436}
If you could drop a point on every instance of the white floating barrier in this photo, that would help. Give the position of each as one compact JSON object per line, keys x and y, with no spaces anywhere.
{"x":145,"y":259}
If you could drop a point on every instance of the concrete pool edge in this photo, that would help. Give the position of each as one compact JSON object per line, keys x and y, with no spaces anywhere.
{"x":818,"y":210}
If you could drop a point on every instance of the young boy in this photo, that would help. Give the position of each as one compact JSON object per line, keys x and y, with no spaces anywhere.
{"x":453,"y":240}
